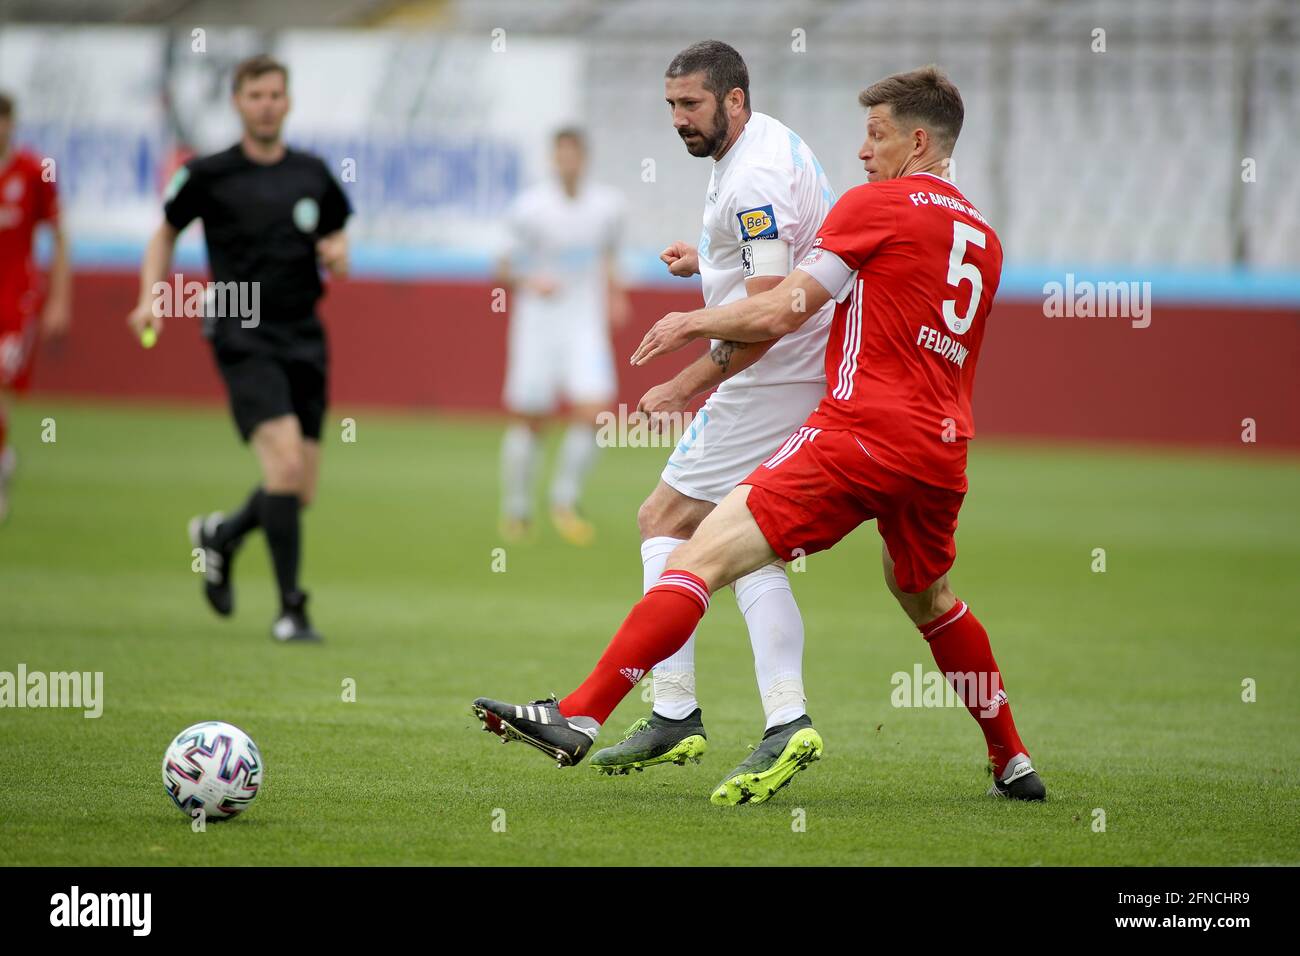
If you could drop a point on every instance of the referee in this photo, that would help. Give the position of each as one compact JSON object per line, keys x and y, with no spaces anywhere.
{"x":272,"y":216}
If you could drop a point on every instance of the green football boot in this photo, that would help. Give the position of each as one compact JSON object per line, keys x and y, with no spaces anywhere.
{"x":654,"y":740}
{"x":782,"y":753}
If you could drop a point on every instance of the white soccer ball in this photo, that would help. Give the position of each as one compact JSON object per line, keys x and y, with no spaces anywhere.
{"x":213,"y":766}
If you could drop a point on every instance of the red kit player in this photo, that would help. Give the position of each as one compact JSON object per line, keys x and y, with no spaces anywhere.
{"x":914,"y":268}
{"x":27,"y":199}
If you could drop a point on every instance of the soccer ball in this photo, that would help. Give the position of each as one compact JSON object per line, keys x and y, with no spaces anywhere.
{"x":214,"y":766}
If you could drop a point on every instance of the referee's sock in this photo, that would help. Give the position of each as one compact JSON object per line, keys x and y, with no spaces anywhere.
{"x":279,"y":517}
{"x":237,"y":524}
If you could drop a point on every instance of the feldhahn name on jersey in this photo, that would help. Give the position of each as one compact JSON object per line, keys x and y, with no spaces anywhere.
{"x":943,"y":344}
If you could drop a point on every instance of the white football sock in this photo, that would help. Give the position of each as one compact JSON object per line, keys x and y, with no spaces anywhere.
{"x":776,"y":634}
{"x":577,"y":452}
{"x":674,"y":679}
{"x":518,"y":465}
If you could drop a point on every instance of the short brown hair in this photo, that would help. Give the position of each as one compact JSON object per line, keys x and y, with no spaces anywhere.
{"x":925,"y":96}
{"x":256,"y":66}
{"x":6,"y":105}
{"x":723,"y":68}
{"x":573,"y":134}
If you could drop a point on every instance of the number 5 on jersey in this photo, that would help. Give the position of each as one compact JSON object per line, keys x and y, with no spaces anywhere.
{"x":959,"y":269}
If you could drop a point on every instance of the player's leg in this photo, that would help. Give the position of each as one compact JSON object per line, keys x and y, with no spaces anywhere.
{"x":529,"y":396}
{"x":725,"y":441}
{"x":279,"y":446}
{"x":674,"y":731}
{"x":18,"y":334}
{"x":589,"y":384}
{"x":796,"y":501}
{"x":765,"y":598}
{"x":310,"y":470}
{"x":961,"y":649}
{"x":7,"y":456}
{"x":727,"y":545}
{"x":577,"y":454}
{"x":666,"y":519}
{"x":520,"y":449}
{"x":220,"y":535}
{"x":789,"y":742}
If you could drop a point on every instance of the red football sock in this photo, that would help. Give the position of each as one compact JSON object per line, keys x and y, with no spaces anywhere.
{"x":654,"y":631}
{"x":960,"y":646}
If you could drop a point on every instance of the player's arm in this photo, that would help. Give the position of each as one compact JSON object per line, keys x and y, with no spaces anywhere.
{"x":723,"y":359}
{"x":759,"y":318}
{"x":765,"y":217}
{"x":332,"y":246}
{"x":332,"y":251}
{"x":58,"y":304}
{"x":856,"y":227}
{"x":153,"y":270}
{"x":184,"y":201}
{"x":682,"y":259}
{"x":620,"y":305}
{"x":721,"y":362}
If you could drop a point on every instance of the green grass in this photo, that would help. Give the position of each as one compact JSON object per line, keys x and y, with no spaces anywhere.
{"x":1126,"y":685}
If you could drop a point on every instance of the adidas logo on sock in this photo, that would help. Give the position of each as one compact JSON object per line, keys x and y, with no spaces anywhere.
{"x":633,"y":674}
{"x":991,"y":708}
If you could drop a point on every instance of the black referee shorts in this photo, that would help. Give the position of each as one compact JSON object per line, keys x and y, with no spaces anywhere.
{"x":284,"y":371}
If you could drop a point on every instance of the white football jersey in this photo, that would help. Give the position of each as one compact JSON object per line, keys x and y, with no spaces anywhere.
{"x":566,"y":239}
{"x":769,"y":185}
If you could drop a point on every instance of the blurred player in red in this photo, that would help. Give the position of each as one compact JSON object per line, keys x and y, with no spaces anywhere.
{"x":914,"y":268}
{"x":27,"y":199}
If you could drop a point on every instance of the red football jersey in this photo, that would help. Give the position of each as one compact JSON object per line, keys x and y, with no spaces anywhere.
{"x":26,"y":198}
{"x":900,"y":361}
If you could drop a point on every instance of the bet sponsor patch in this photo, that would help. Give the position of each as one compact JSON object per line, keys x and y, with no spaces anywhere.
{"x":757,"y":223}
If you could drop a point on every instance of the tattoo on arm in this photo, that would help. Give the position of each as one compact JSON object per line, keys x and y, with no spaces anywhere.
{"x":722,"y":354}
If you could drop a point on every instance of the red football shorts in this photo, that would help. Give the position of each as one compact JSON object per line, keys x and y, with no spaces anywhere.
{"x":820,"y":485}
{"x":18,"y":330}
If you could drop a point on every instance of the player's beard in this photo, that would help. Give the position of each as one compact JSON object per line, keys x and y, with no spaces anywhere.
{"x":708,"y":143}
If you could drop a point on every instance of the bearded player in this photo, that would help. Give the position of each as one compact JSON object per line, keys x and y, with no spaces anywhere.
{"x":28,"y":200}
{"x":913,"y":268}
{"x":766,"y":197}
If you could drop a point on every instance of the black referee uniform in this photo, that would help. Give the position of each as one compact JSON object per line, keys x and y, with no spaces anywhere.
{"x":261,"y":223}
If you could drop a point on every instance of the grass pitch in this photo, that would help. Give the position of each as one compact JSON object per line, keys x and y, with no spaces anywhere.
{"x":1127,"y":685}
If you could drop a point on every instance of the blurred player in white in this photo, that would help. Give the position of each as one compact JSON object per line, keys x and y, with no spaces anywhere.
{"x":560,"y":268}
{"x":765,"y":201}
